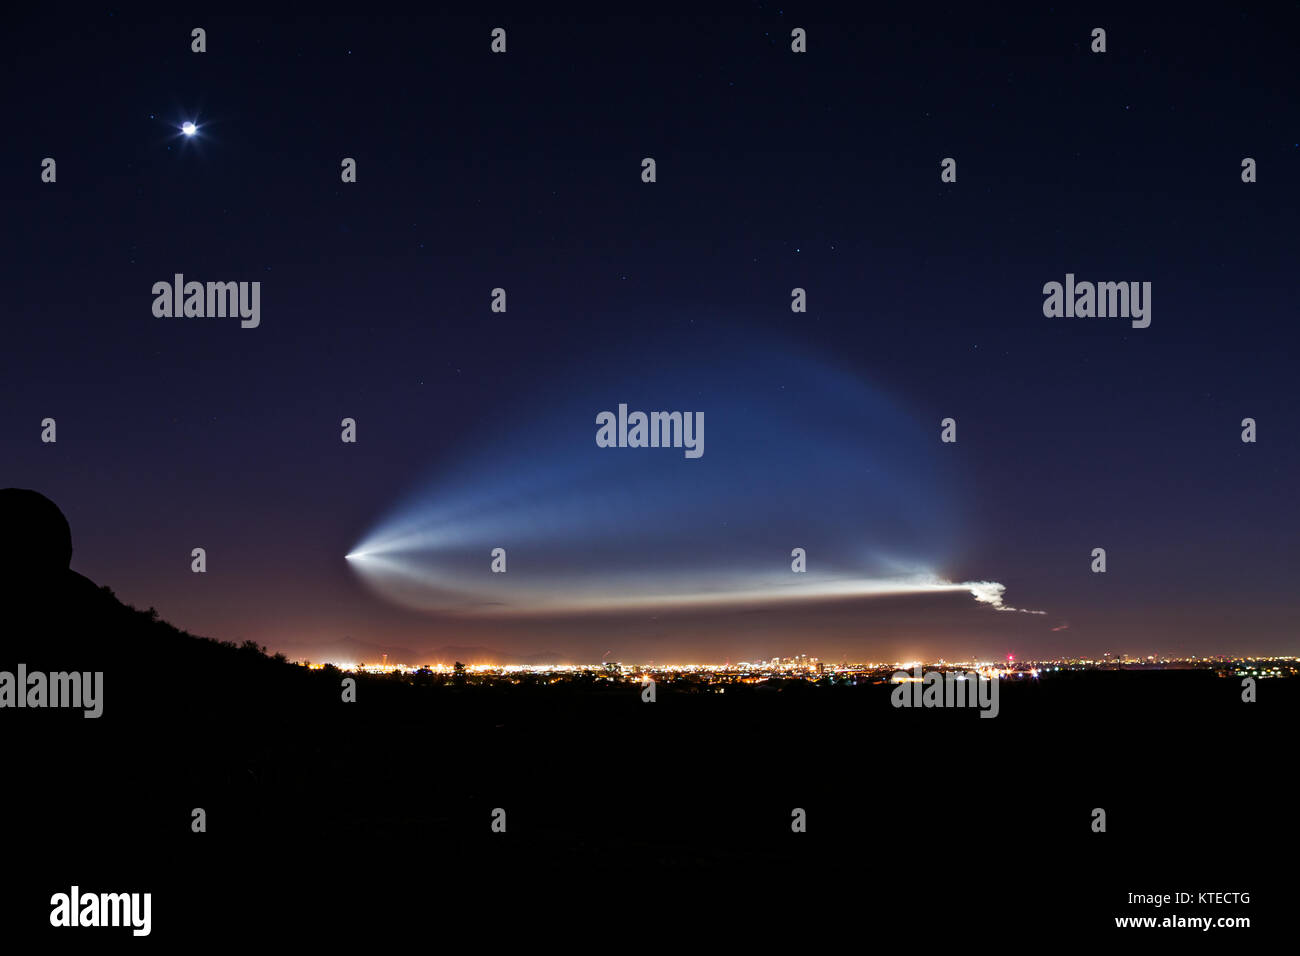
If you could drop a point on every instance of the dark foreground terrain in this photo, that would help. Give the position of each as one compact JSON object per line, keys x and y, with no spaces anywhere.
{"x":329,"y":820}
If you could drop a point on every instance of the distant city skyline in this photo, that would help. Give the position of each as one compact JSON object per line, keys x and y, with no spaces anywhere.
{"x":806,"y":663}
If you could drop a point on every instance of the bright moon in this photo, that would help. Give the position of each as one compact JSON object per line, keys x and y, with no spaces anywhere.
{"x":189,"y":129}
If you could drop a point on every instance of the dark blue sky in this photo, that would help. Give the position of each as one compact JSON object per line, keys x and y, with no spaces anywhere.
{"x":775,"y":170}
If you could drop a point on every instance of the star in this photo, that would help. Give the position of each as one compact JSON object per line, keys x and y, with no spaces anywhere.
{"x":188,"y":128}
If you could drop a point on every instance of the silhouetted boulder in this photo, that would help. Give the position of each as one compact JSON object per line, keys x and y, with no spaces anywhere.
{"x":37,"y":539}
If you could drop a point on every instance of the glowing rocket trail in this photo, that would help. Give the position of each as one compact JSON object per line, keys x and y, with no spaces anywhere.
{"x":799,"y":456}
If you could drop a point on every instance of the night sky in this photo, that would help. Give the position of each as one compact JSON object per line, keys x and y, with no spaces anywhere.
{"x":775,"y":170}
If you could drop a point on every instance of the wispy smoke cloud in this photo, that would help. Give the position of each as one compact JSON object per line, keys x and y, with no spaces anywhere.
{"x":413,"y":586}
{"x":990,"y":592}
